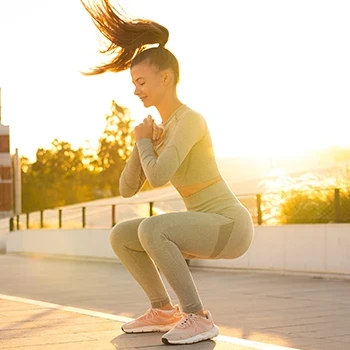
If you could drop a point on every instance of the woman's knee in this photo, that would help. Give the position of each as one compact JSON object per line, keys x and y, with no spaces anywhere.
{"x":116,"y":234}
{"x":149,"y":231}
{"x":122,"y":232}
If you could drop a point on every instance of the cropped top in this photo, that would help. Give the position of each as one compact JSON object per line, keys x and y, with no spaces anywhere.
{"x":185,"y":157}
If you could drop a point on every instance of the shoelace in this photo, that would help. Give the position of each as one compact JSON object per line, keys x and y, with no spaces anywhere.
{"x":187,"y":320}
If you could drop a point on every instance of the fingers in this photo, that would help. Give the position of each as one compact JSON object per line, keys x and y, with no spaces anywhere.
{"x":144,"y":129}
{"x":149,"y":120}
{"x":158,"y":135}
{"x":157,"y":131}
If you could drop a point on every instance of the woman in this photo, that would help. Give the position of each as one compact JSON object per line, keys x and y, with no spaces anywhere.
{"x":215,"y":226}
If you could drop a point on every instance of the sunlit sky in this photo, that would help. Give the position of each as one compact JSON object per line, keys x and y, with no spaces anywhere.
{"x":270,"y":77}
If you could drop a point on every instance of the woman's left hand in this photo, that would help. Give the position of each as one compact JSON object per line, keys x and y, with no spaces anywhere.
{"x":144,"y":129}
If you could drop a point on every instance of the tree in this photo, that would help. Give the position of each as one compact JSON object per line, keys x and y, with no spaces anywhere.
{"x":58,"y":177}
{"x":62,"y":175}
{"x":115,"y":146}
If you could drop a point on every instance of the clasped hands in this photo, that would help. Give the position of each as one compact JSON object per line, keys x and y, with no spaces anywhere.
{"x":149,"y":129}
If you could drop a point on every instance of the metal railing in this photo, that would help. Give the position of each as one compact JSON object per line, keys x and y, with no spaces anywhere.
{"x":308,"y":206}
{"x":270,"y":208}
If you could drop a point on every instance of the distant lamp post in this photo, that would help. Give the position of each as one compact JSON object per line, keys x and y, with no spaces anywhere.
{"x":17,"y":188}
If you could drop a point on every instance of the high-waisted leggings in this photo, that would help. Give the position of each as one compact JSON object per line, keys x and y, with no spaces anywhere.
{"x":215,"y":226}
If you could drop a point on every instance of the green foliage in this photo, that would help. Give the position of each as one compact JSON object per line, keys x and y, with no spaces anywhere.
{"x":312,"y":206}
{"x":58,"y":177}
{"x":307,"y":199}
{"x":62,"y":175}
{"x":115,"y":146}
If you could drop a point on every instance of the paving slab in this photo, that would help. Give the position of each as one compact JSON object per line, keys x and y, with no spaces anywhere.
{"x":31,"y":324}
{"x":289,"y":311}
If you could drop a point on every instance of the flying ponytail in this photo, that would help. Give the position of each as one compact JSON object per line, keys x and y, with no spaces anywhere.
{"x":126,"y":37}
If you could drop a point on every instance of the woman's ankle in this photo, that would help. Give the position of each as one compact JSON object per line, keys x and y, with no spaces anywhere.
{"x":167,"y":307}
{"x":200,"y":313}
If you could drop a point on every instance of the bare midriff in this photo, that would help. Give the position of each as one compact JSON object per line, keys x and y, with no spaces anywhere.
{"x":190,"y":190}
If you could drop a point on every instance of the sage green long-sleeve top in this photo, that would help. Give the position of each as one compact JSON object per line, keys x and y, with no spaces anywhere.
{"x":185,"y":157}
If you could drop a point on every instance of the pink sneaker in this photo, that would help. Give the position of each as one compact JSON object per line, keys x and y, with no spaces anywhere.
{"x":192,"y":329}
{"x":154,"y":320}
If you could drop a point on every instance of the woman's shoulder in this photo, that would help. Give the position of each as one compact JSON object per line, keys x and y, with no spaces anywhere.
{"x":191,"y":115}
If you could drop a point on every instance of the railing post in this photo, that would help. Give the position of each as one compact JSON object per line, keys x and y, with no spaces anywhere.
{"x":150,"y":208}
{"x":41,"y":218}
{"x":83,"y":217}
{"x":113,"y":215}
{"x":11,"y":226}
{"x":59,"y":218}
{"x":258,"y":204}
{"x":337,"y":207}
{"x":27,"y":220}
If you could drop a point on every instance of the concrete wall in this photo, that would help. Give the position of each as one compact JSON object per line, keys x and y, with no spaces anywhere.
{"x":317,"y":249}
{"x":312,"y":249}
{"x":88,"y":243}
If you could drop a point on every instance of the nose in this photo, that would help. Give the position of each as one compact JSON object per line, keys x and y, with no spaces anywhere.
{"x":136,"y":91}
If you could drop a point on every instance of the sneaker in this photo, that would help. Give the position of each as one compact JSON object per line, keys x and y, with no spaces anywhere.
{"x":154,"y":320}
{"x":192,"y":329}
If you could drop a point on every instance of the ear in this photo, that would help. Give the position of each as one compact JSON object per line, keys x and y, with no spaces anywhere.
{"x":167,"y":77}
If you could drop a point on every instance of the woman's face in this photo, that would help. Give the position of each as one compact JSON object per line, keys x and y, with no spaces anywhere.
{"x":149,"y":83}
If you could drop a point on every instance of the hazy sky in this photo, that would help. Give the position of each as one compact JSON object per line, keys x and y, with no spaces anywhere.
{"x":270,"y":77}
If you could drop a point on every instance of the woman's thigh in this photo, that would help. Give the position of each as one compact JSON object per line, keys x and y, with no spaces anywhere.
{"x":196,"y":234}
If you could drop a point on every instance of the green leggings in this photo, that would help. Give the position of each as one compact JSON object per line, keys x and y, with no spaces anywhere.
{"x":216,"y":226}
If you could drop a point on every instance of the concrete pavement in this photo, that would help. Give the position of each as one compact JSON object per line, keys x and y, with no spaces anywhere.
{"x":88,"y":301}
{"x":29,"y":324}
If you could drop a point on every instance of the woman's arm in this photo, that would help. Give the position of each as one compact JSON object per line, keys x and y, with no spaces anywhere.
{"x":159,"y":171}
{"x":132,"y":177}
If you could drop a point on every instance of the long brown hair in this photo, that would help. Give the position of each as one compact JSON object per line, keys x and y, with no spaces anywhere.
{"x":128,"y":40}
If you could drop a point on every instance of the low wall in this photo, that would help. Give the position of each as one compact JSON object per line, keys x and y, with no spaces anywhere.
{"x":315,"y":249}
{"x":312,"y":249}
{"x":87,"y":243}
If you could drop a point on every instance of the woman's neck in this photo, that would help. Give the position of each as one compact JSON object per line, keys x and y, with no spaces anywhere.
{"x":167,"y":108}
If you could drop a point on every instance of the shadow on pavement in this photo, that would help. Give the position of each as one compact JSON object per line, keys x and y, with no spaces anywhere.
{"x":154,"y":340}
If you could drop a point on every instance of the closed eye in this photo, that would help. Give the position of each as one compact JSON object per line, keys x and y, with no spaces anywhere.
{"x":139,"y":81}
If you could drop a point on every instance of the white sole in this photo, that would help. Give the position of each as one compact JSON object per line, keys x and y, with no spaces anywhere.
{"x":149,"y":329}
{"x":214,"y":332}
